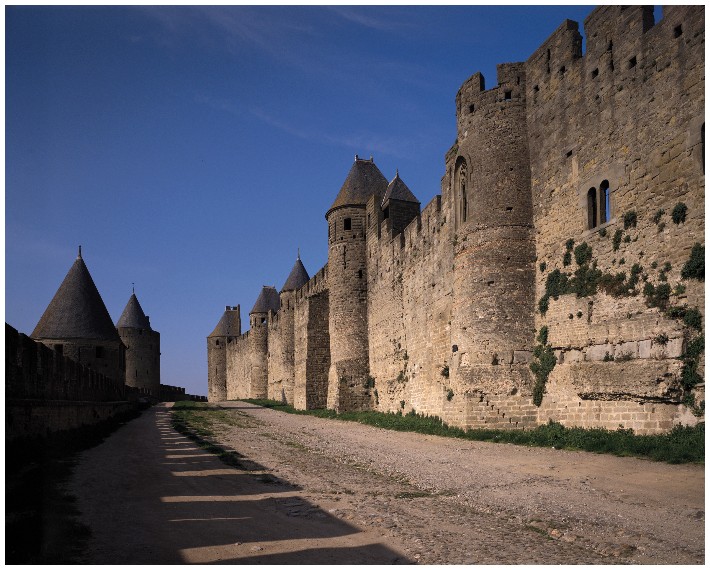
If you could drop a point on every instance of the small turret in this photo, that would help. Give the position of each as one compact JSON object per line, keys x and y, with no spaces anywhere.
{"x":267,"y":302}
{"x":142,"y":348}
{"x":399,"y":205}
{"x":228,"y":327}
{"x":281,"y":342}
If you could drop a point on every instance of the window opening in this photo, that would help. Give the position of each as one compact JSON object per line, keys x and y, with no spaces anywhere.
{"x":59,"y":348}
{"x":604,"y":202}
{"x":632,"y":62}
{"x":592,"y":208}
{"x":595,"y":73}
{"x":464,"y":200}
{"x":508,"y":95}
{"x":678,"y":31}
{"x":347,"y":224}
{"x":386,"y":213}
{"x":471,"y":108}
{"x":99,"y":352}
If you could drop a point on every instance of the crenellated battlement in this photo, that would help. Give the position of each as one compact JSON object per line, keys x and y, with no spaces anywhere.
{"x":439,"y":310}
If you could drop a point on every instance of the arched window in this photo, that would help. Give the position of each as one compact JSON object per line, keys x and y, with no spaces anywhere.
{"x":604,"y":202}
{"x":461,"y":188}
{"x":592,"y":208}
{"x":464,"y":198}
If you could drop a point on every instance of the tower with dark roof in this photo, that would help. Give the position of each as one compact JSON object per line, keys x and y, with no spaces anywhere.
{"x":347,"y":279}
{"x":399,"y":205}
{"x":281,"y":342}
{"x":142,"y":348}
{"x":267,"y":302}
{"x":77,"y":324}
{"x":228,"y":328}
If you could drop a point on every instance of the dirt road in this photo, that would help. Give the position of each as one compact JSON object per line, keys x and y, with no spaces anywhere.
{"x":325,"y":491}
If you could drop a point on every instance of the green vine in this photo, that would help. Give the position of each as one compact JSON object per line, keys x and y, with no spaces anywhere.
{"x":543,"y":365}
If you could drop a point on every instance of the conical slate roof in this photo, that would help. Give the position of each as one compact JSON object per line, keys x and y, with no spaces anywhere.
{"x":297,"y":278}
{"x":364,"y":180}
{"x":229,"y":325}
{"x":77,"y":310}
{"x":398,"y":190}
{"x":268,"y":300}
{"x":133,"y":316}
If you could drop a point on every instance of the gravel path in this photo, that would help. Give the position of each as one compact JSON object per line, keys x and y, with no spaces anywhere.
{"x":454,"y":501}
{"x":326,"y":491}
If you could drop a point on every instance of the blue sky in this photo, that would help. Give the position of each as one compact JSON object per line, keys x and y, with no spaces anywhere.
{"x":192,"y":150}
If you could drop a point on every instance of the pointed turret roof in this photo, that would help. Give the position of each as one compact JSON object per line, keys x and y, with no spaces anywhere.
{"x":364,"y":180}
{"x":133,"y":316}
{"x":268,"y":300}
{"x":398,"y":190}
{"x":77,"y":310}
{"x":297,"y":278}
{"x":230,"y":323}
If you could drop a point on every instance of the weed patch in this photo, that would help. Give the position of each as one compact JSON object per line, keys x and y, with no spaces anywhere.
{"x":681,"y":445}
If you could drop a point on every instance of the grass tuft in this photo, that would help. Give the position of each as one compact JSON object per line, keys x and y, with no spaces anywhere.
{"x":681,"y":445}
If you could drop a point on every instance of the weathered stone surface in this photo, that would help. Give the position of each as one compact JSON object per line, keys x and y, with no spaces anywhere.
{"x":437,"y":311}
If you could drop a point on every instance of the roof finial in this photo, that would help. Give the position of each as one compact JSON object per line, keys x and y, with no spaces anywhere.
{"x":79,"y":256}
{"x":298,"y":256}
{"x":371,"y":159}
{"x":357,"y":157}
{"x":134,"y":288}
{"x":397,"y":174}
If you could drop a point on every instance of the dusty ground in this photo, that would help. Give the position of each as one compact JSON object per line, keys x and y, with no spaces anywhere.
{"x":323,"y":491}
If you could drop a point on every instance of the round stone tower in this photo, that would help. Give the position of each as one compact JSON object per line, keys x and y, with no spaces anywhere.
{"x":491,"y":209}
{"x":228,"y":327}
{"x":77,"y":324}
{"x":347,"y":284}
{"x":281,"y":359}
{"x":266,"y":302}
{"x":142,"y":348}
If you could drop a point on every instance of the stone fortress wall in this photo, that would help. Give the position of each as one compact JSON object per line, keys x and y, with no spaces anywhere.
{"x":562,"y":169}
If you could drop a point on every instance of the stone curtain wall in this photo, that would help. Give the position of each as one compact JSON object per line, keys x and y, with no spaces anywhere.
{"x":442,"y":318}
{"x":409,"y":306}
{"x":638,"y":126}
{"x":312,"y":352}
{"x":46,"y":392}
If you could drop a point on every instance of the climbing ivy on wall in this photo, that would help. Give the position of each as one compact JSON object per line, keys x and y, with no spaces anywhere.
{"x":542,"y":366}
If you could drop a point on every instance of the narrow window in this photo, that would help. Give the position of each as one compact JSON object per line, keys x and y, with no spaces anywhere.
{"x":702,"y":145}
{"x":471,"y":108}
{"x":369,"y":220}
{"x":347,"y":224}
{"x":678,"y":31}
{"x":548,"y":61}
{"x":99,"y":352}
{"x":592,"y":208}
{"x":604,"y":202}
{"x":595,"y":72}
{"x":59,"y":348}
{"x":562,"y":70}
{"x":386,"y":213}
{"x":359,"y":273}
{"x":464,"y":199}
{"x":263,"y":320}
{"x":632,"y":62}
{"x":216,"y":342}
{"x":508,"y":95}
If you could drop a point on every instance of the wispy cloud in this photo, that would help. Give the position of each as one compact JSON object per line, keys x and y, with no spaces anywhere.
{"x":370,"y":21}
{"x":361,"y":141}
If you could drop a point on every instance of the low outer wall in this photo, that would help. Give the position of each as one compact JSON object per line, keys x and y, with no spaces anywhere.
{"x":46,"y":392}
